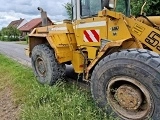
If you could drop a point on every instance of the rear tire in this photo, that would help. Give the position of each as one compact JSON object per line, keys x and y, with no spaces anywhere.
{"x":45,"y":66}
{"x":127,"y":84}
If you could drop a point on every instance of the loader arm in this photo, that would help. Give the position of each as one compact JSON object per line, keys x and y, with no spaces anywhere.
{"x":147,"y":35}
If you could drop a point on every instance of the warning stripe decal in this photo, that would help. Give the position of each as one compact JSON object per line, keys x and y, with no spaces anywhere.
{"x":87,"y":37}
{"x":96,"y":34}
{"x":91,"y":35}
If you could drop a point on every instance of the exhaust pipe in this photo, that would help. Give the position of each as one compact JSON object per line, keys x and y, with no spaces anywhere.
{"x":43,"y":17}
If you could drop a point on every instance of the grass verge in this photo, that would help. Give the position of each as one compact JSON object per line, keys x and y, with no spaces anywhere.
{"x":62,"y":101}
{"x":22,"y":42}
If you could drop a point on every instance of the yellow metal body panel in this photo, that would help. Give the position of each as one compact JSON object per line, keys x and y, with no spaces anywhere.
{"x":131,"y":43}
{"x":145,"y":34}
{"x":92,"y":52}
{"x":96,"y":23}
{"x":62,"y":39}
{"x":107,"y":13}
{"x":116,"y":30}
{"x":78,"y":61}
{"x":155,"y":20}
{"x":102,"y":51}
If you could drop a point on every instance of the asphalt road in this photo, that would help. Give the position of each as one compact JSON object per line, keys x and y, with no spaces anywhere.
{"x":16,"y":51}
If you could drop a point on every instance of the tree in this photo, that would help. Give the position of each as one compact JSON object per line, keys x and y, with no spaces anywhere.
{"x":152,"y":7}
{"x":14,"y":32}
{"x":11,"y":33}
{"x":68,"y":7}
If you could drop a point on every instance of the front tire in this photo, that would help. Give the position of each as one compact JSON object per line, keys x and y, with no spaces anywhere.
{"x":127,"y":84}
{"x":45,"y":66}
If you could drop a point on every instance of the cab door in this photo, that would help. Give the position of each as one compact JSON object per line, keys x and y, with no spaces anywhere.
{"x":89,"y":28}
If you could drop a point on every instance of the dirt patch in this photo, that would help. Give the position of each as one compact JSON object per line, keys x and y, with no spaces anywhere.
{"x":8,"y":110}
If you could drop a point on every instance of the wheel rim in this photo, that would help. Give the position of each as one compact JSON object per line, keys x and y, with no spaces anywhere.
{"x":40,"y":66}
{"x":129,"y":98}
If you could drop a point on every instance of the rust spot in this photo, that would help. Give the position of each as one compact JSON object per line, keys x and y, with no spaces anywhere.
{"x":129,"y":97}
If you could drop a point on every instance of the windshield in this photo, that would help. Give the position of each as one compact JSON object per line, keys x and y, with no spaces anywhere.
{"x":90,"y":7}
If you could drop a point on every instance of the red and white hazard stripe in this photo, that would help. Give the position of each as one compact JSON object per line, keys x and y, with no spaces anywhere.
{"x":91,"y":35}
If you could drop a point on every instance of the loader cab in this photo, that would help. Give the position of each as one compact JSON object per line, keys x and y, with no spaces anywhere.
{"x":90,"y":8}
{"x":88,"y":27}
{"x":85,"y":8}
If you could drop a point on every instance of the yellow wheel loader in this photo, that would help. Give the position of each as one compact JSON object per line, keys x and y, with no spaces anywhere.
{"x":116,"y":52}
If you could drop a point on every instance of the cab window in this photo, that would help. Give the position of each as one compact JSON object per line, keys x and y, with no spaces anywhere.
{"x":90,"y":7}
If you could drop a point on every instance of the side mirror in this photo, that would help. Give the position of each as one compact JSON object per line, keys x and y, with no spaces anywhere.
{"x":109,"y":4}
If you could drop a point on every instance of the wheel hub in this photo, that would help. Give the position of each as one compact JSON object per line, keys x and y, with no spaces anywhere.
{"x":129,"y":97}
{"x":40,"y":66}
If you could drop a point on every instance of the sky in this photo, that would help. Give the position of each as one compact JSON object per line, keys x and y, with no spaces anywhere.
{"x":27,"y":9}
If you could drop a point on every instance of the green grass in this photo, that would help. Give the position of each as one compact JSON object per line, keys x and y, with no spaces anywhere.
{"x":63,"y":101}
{"x":22,"y":42}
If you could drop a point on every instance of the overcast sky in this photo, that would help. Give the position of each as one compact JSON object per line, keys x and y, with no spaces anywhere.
{"x":15,"y":9}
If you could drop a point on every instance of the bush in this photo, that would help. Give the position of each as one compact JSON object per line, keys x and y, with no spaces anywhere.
{"x":6,"y":38}
{"x":10,"y":33}
{"x":26,"y":38}
{"x":13,"y":39}
{"x":3,"y":38}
